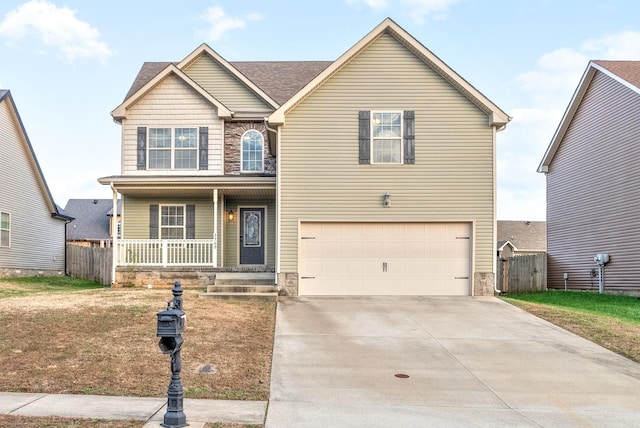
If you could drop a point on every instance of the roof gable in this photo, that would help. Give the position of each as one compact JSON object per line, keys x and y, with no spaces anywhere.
{"x":92,"y":217}
{"x":625,"y":72}
{"x":522,"y":235}
{"x":6,"y":98}
{"x":120,"y":112}
{"x":497,"y":117}
{"x":205,"y":51}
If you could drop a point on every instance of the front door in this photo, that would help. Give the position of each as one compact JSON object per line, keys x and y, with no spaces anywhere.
{"x":252,"y":236}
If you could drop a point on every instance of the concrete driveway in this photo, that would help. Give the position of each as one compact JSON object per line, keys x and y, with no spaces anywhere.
{"x":462,"y":361}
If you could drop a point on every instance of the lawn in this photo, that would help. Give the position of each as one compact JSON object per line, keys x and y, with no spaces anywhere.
{"x":612,"y":321}
{"x":74,"y":337}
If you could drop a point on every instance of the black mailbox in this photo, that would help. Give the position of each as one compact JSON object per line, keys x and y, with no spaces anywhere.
{"x":170,"y":323}
{"x":170,"y":345}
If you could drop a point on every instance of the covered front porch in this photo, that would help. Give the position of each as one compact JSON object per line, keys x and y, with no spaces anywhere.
{"x":192,"y":225}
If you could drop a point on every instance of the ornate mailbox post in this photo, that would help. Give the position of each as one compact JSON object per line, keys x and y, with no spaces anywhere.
{"x":170,"y":327}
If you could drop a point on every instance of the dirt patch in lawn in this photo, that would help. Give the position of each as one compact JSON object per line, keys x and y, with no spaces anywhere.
{"x":104,"y":342}
{"x":618,"y":336}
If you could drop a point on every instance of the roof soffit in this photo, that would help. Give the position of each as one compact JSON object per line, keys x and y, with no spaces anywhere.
{"x":204,"y":49}
{"x":497,"y":116}
{"x":120,"y":112}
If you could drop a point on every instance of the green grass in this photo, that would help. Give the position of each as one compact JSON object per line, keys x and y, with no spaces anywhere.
{"x":18,"y":287}
{"x":623,"y":308}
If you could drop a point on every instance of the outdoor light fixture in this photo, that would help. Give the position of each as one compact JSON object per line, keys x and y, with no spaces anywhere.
{"x":231,"y":215}
{"x":386,"y":200}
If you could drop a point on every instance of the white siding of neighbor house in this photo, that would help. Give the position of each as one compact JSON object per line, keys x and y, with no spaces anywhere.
{"x":37,"y":239}
{"x":170,"y":104}
{"x":453,"y":176}
{"x":592,"y":191}
{"x":225,"y":87}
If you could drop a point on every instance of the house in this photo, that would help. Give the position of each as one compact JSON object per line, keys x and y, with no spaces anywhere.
{"x":92,"y":222}
{"x":32,"y":226}
{"x":516,"y":238}
{"x":592,"y":179}
{"x":373,"y":174}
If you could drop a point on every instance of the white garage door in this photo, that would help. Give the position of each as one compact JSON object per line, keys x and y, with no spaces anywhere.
{"x":384,"y":259}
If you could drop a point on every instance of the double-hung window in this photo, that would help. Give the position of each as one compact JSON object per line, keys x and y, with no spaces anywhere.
{"x":386,"y":137}
{"x":5,"y":229}
{"x":173,"y":148}
{"x":252,"y":151}
{"x":172,"y":222}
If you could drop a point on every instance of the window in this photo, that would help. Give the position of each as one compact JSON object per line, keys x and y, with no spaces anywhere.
{"x":5,"y":229}
{"x":386,"y":137}
{"x":172,"y":222}
{"x":386,"y":141}
{"x":252,"y":151}
{"x":173,"y":148}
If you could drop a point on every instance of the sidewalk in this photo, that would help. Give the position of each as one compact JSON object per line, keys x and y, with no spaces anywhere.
{"x":152,"y":410}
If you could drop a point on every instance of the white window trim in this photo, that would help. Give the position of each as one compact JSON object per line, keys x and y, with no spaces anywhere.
{"x":184,"y":220}
{"x":242,"y":153}
{"x":173,"y":148}
{"x":371,"y":138}
{"x":8,"y":230}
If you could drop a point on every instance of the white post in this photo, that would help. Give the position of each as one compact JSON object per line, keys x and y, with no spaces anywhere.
{"x":114,"y":235}
{"x":215,"y":228}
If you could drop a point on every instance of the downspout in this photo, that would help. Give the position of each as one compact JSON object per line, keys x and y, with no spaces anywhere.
{"x":114,"y":233}
{"x":276,"y":131}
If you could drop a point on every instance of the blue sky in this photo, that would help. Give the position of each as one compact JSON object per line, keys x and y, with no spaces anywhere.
{"x":69,"y":63}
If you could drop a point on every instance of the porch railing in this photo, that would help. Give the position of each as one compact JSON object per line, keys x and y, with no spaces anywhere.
{"x":165,"y":252}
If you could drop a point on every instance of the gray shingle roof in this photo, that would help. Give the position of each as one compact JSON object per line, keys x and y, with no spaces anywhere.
{"x":525,"y":235}
{"x":278,"y":79}
{"x":92,"y":218}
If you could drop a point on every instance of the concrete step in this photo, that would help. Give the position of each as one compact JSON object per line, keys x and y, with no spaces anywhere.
{"x":245,"y":278}
{"x":250,"y":296}
{"x":242,"y":288}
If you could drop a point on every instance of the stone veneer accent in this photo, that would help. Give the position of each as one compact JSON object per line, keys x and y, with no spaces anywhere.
{"x":483,"y":284}
{"x":232,"y":147}
{"x":288,"y":284}
{"x":164,"y":278}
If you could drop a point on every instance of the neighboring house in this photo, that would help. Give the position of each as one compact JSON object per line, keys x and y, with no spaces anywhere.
{"x":32,"y":226}
{"x":370,"y":175}
{"x":593,"y":176}
{"x":92,"y":222}
{"x":517,"y":238}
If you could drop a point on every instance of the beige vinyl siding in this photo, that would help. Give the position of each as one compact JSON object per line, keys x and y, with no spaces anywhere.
{"x":170,"y":104}
{"x":37,"y":239}
{"x":231,"y":238}
{"x":136,"y":218}
{"x":452,"y":179}
{"x":225,"y":87}
{"x":592,"y":191}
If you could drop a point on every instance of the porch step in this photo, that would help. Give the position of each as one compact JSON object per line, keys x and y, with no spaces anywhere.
{"x":243,"y":286}
{"x":253,"y":296}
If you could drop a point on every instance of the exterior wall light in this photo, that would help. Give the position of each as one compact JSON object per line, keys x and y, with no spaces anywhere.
{"x":386,"y":200}
{"x":231,"y":215}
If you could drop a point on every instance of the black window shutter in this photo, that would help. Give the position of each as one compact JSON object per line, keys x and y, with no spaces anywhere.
{"x":364,"y":136}
{"x":153,"y":222}
{"x":142,"y":147}
{"x":409,"y":137}
{"x":204,"y":147}
{"x":190,"y":222}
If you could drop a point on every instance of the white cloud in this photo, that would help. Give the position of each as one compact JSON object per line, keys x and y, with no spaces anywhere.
{"x":221,"y":23}
{"x":416,"y":9}
{"x":55,"y":27}
{"x":621,"y":46}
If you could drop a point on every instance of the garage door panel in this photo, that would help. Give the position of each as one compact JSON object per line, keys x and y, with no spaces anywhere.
{"x":385,"y":259}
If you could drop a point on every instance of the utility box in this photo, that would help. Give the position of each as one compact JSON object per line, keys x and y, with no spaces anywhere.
{"x":601,"y":259}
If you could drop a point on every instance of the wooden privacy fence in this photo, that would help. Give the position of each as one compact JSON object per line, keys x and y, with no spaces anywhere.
{"x":89,"y":263}
{"x":523,"y":274}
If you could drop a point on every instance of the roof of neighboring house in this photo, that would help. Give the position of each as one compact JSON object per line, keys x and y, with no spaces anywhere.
{"x":523,"y":235}
{"x":625,"y":72}
{"x":92,"y":218}
{"x":56,"y":212}
{"x":279,"y":79}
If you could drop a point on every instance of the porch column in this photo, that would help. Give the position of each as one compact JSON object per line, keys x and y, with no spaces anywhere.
{"x":114,"y":235}
{"x":215,"y":228}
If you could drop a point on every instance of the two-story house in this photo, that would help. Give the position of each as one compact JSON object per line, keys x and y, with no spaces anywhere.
{"x":373,"y":174}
